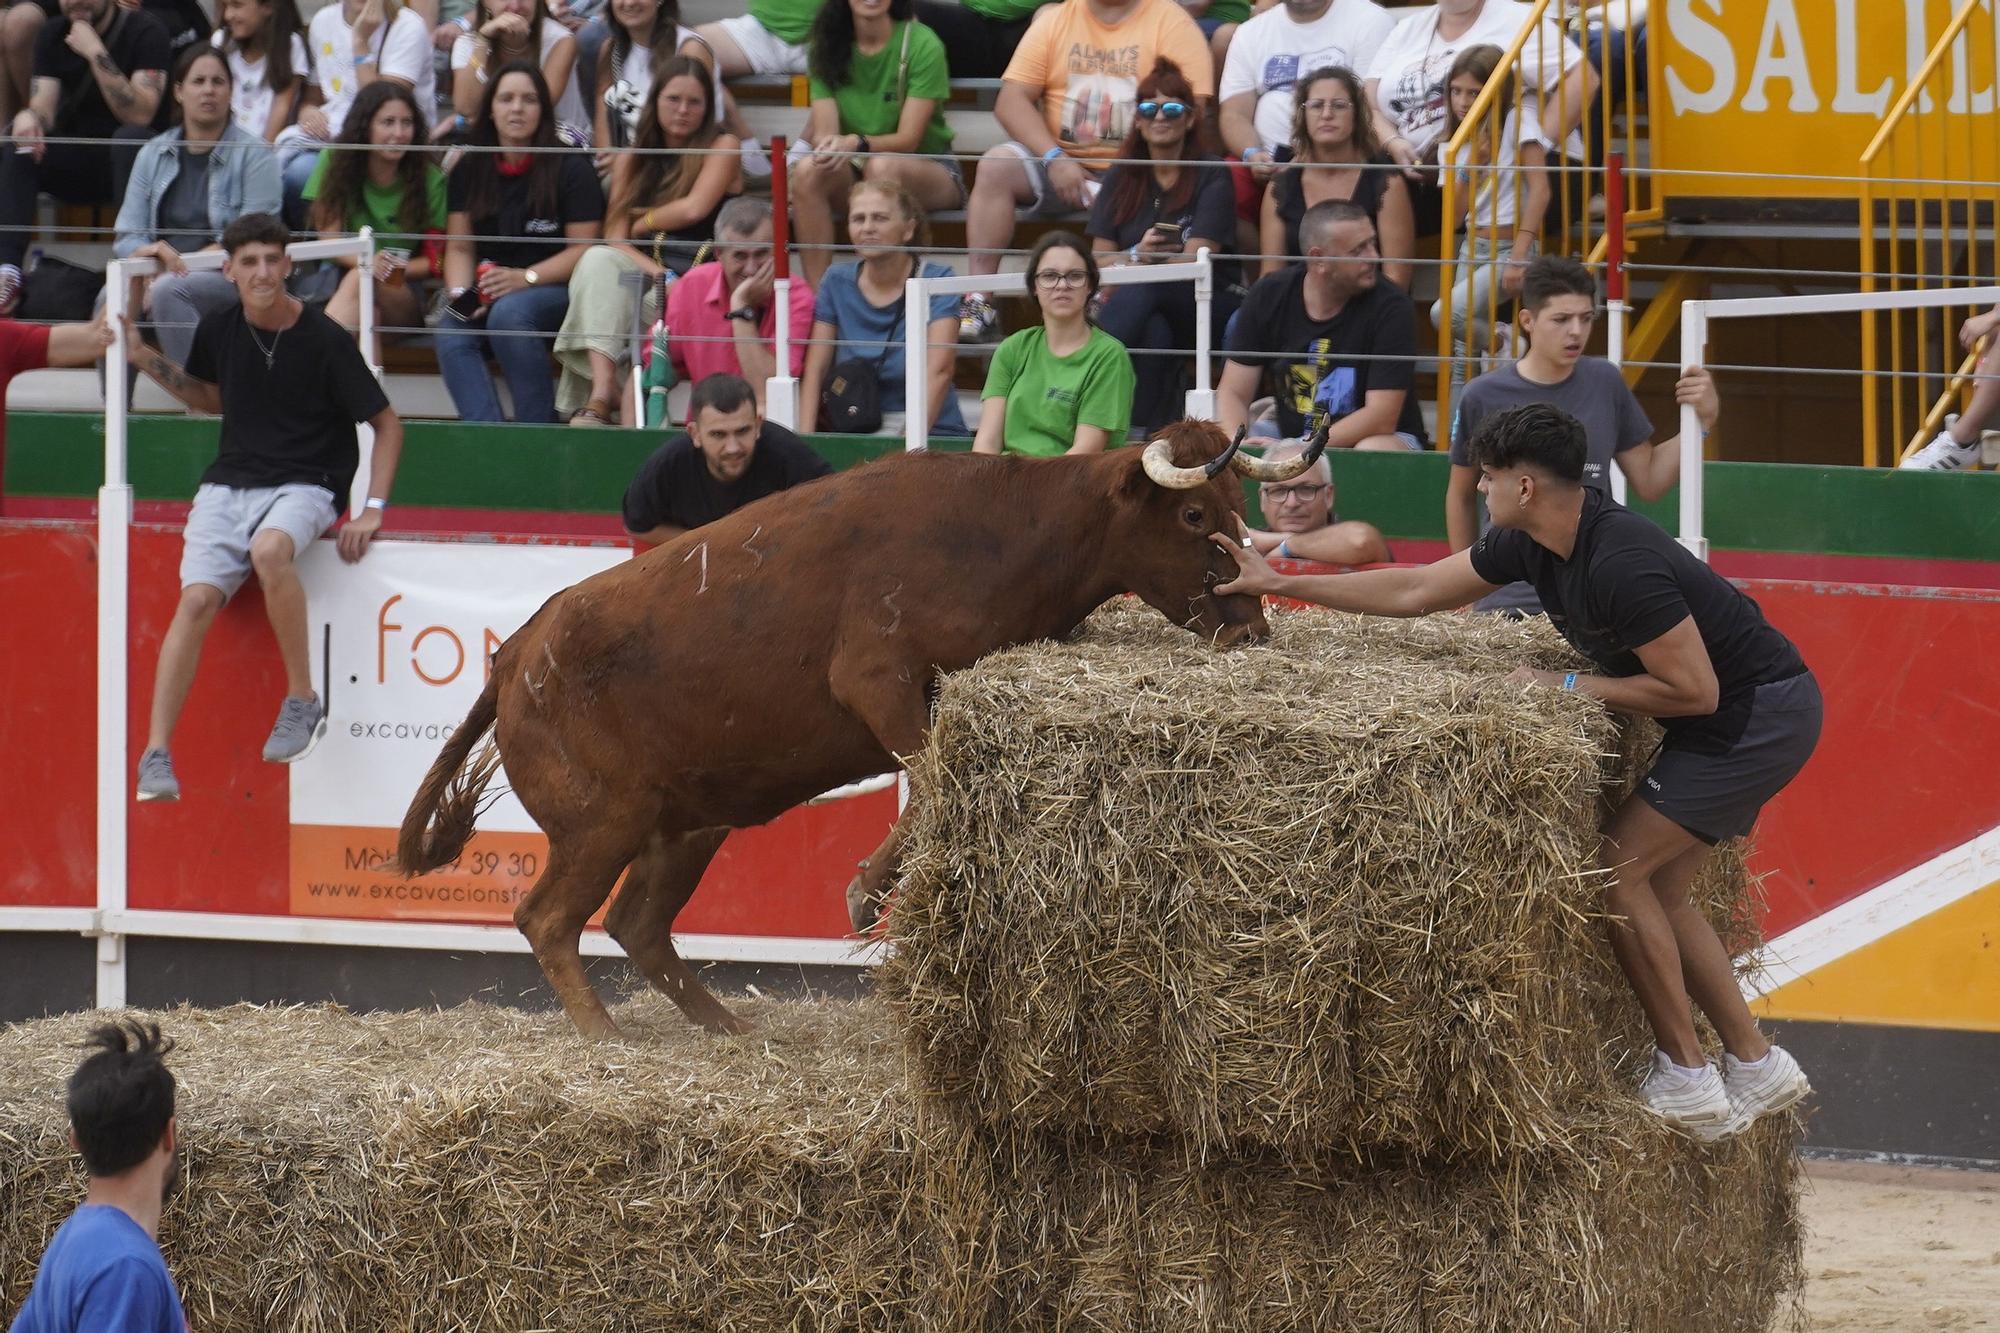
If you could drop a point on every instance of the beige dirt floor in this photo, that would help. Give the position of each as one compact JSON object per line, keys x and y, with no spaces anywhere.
{"x":1904,"y":1248}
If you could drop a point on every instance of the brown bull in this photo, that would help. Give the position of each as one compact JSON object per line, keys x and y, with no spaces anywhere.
{"x":790,"y":648}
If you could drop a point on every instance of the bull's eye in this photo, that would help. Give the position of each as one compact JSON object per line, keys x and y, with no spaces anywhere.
{"x":1194,"y":517}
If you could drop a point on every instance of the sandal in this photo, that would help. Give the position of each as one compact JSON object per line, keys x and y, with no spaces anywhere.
{"x":10,"y":288}
{"x":596,"y":412}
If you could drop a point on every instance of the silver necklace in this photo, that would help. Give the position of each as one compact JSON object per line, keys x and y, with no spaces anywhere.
{"x":271,"y":352}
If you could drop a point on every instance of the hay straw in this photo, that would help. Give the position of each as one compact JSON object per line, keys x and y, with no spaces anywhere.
{"x":1325,"y":897}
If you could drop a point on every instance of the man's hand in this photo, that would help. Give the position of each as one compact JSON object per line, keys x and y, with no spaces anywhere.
{"x":503,"y":26}
{"x":28,"y":133}
{"x":357,"y":532}
{"x":99,"y":332}
{"x":1979,"y":326}
{"x":366,"y":24}
{"x":498,"y":282}
{"x":1512,"y":269}
{"x":756,"y":288}
{"x":1067,"y":179}
{"x":1528,"y":676}
{"x":313,"y":121}
{"x":1696,"y":389}
{"x":84,"y":40}
{"x":169,"y":259}
{"x":1254,"y":575}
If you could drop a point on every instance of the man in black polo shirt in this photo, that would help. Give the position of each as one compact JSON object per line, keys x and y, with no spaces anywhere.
{"x":99,"y":68}
{"x":1672,"y":640}
{"x":729,"y":457}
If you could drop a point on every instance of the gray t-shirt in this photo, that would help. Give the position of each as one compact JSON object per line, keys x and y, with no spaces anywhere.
{"x":184,"y":222}
{"x":1595,"y":394}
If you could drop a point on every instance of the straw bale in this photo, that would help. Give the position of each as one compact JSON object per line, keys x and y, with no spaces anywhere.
{"x":480,"y":1169}
{"x":1328,"y":896}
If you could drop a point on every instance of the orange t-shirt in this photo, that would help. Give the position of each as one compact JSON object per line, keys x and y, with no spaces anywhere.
{"x":1089,"y":73}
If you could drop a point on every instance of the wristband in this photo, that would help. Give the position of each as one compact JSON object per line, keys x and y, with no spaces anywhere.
{"x":367,"y":59}
{"x":744,"y":312}
{"x":861,"y":144}
{"x":1569,"y":680}
{"x":1260,"y":148}
{"x":1053,"y":153}
{"x":1133,"y":254}
{"x":375,"y":502}
{"x":1285,"y":550}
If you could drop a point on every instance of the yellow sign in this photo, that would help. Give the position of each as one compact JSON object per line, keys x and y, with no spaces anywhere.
{"x":1750,"y":97}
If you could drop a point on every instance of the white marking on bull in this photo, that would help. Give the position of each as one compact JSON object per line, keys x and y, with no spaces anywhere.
{"x":702,"y":551}
{"x":889,"y":600}
{"x":759,"y":555}
{"x":535,"y":686}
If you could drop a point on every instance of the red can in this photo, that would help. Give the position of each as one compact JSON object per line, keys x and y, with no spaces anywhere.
{"x":486,"y":266}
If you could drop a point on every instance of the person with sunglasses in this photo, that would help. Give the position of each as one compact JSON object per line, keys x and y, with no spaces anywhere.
{"x":1064,"y":386}
{"x":1299,"y":518}
{"x":1154,"y":210}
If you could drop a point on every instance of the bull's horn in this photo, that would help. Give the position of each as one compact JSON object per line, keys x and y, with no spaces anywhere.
{"x":1258,"y":469}
{"x":1158,"y":460}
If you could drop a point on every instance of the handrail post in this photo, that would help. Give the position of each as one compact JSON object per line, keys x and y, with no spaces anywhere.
{"x":1694,"y":345}
{"x":114,"y":536}
{"x":916,"y":365}
{"x":1201,"y":398}
{"x":781,"y":390}
{"x":1615,"y":306}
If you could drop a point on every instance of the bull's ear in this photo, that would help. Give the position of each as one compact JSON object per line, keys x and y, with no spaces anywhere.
{"x":1133,"y":486}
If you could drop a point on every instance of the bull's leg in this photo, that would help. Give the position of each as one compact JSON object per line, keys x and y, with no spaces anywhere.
{"x":581,"y":871}
{"x":659,"y":884}
{"x":891,"y":701}
{"x":870,"y":884}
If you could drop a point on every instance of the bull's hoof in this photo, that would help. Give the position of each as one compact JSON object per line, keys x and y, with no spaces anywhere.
{"x":726,"y":1024}
{"x":863,"y":910}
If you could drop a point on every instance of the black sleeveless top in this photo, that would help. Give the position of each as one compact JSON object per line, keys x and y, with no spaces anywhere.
{"x":1289,"y":188}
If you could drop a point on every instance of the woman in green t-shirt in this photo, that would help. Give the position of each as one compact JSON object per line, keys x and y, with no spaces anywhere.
{"x":879,"y":84}
{"x":1065,"y":387}
{"x":394,"y":189}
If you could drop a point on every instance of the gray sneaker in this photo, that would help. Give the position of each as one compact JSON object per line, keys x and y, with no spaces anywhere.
{"x":301,"y":722}
{"x":156,"y":777}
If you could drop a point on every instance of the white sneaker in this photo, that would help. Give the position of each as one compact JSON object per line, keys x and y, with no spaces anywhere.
{"x":1942,"y":454}
{"x":1770,"y":1085}
{"x":756,"y":162}
{"x":1692,"y":1101}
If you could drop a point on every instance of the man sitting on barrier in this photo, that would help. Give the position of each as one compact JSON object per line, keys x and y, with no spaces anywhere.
{"x":728,"y":457}
{"x":1673,"y":640}
{"x":103,"y":1271}
{"x":1299,"y":518}
{"x":290,"y":385}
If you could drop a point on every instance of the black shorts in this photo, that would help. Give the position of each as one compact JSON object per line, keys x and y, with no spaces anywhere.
{"x":1718,"y":796}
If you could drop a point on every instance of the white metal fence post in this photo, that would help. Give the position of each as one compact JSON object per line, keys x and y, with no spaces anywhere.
{"x":114,"y":535}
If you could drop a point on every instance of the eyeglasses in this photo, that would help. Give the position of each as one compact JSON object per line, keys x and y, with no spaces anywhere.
{"x":1171,"y":110}
{"x":1298,"y":494}
{"x":1321,"y":105}
{"x":1048,"y":277}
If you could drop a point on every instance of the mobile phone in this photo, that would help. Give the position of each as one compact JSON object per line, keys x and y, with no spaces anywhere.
{"x":1168,"y":230}
{"x":466,"y":304}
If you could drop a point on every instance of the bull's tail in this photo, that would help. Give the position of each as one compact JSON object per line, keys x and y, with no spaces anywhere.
{"x":440,"y":819}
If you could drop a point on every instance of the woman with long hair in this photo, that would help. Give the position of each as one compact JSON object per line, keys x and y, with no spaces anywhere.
{"x":354,"y":43}
{"x":535,"y":214}
{"x":1064,"y":386}
{"x":267,"y":62}
{"x":381,"y":177}
{"x":505,"y":31}
{"x":859,"y":315}
{"x":1334,"y":155}
{"x":664,"y":199}
{"x":643,"y":36}
{"x":1155,"y":210}
{"x":234,"y":173}
{"x":879,"y":83}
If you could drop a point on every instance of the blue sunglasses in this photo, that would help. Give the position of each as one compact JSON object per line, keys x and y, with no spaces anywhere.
{"x":1171,"y":110}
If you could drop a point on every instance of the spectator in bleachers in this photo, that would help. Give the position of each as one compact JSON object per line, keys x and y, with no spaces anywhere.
{"x":536,"y":213}
{"x":879,"y":85}
{"x":641,"y":34}
{"x":722,"y":316}
{"x":1300,"y":522}
{"x":1504,"y":204}
{"x":981,"y":35}
{"x":506,"y":31}
{"x":768,"y":38}
{"x":353,"y":43}
{"x":385,"y":183}
{"x":1066,"y":103}
{"x":1346,"y":342}
{"x":26,"y":347}
{"x":1268,"y":54}
{"x":1162,"y":213}
{"x":1958,"y":444}
{"x":728,"y":457}
{"x":662,"y":216}
{"x":858,"y":328}
{"x":187,"y":185}
{"x":267,"y":63}
{"x":99,"y":69}
{"x":1406,"y":86}
{"x":1333,"y":155}
{"x":1064,"y":386}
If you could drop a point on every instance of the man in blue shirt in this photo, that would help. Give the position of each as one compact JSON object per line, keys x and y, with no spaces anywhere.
{"x":103,"y":1273}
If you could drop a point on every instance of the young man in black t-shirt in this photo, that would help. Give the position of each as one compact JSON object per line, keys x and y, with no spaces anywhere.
{"x":99,"y":68}
{"x":1672,"y":640}
{"x":729,"y":457}
{"x":1345,"y":341}
{"x":290,"y":385}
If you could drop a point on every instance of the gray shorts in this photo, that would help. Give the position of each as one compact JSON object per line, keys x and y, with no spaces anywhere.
{"x":1718,"y":796}
{"x":1046,"y":204}
{"x":215,"y":549}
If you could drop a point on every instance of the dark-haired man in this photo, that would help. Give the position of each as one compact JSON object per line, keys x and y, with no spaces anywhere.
{"x":1673,"y":640}
{"x":728,"y":457}
{"x":290,"y":385}
{"x":1558,"y":310}
{"x":102,"y":1272}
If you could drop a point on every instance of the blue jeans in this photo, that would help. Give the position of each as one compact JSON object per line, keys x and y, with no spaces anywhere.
{"x":505,"y":333}
{"x":295,"y":174}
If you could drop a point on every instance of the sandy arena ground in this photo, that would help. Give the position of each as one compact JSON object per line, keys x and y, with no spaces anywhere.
{"x":1901,"y":1248}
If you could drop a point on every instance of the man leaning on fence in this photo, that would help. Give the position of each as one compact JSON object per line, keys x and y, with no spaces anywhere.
{"x":290,"y":385}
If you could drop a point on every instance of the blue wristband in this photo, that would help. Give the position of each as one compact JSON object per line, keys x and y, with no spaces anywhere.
{"x":1569,"y":680}
{"x":1053,"y":154}
{"x":1285,"y":550}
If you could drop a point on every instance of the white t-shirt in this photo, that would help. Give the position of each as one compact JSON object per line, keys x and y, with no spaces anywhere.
{"x":402,"y":51}
{"x":626,"y":97}
{"x":569,"y":101}
{"x":250,"y":98}
{"x":1412,"y":63}
{"x":1271,"y":53}
{"x":1496,"y":200}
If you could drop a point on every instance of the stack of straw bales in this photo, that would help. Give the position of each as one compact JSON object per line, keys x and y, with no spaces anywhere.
{"x":1250,"y":993}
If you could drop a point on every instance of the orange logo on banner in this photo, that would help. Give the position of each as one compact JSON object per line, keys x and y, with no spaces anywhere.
{"x":440,"y":665}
